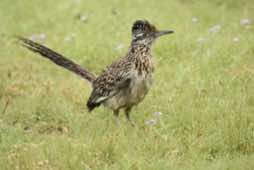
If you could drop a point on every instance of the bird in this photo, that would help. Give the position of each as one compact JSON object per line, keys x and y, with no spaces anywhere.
{"x":122,"y":84}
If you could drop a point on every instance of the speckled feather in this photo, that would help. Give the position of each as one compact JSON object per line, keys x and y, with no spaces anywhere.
{"x":119,"y":74}
{"x":126,"y":81}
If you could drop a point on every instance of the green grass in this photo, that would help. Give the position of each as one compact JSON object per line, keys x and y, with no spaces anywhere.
{"x":204,"y":86}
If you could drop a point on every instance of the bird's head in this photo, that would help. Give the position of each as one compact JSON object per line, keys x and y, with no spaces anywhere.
{"x":145,"y":33}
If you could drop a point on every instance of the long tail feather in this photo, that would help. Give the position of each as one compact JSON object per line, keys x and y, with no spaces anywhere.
{"x":56,"y":58}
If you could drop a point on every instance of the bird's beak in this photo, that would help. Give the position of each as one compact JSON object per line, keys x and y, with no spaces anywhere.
{"x":163,"y":32}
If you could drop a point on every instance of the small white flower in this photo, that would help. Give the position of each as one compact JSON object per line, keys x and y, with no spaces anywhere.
{"x":67,"y":39}
{"x":151,"y":122}
{"x":42,"y":36}
{"x":157,"y":114}
{"x":33,"y":37}
{"x":201,"y":40}
{"x":36,"y":37}
{"x":76,"y":1}
{"x":70,"y":37}
{"x":73,"y":35}
{"x":194,"y":19}
{"x":245,"y":21}
{"x":236,"y":39}
{"x":83,"y":18}
{"x":119,"y":46}
{"x":215,"y":29}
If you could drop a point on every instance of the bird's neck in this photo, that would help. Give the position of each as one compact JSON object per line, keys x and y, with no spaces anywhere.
{"x":140,"y":55}
{"x":140,"y":48}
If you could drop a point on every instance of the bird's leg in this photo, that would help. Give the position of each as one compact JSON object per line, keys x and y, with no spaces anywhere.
{"x":116,"y":114}
{"x":127,"y":114}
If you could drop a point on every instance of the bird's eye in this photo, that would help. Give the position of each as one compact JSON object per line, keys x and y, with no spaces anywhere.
{"x":137,"y":27}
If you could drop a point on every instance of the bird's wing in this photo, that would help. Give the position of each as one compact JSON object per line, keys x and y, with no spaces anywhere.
{"x":117,"y":77}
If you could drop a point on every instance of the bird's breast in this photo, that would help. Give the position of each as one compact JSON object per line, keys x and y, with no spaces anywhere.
{"x":144,"y":65}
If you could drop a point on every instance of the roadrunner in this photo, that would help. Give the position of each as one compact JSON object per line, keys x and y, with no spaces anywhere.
{"x":125,"y":82}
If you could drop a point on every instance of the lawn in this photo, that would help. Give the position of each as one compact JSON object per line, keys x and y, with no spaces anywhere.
{"x":203,"y":87}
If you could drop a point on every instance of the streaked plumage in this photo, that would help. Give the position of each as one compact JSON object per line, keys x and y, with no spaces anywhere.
{"x":125,"y":82}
